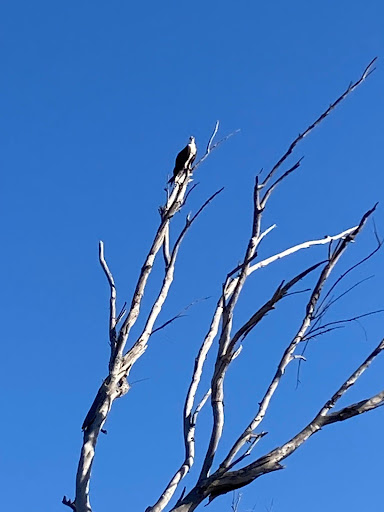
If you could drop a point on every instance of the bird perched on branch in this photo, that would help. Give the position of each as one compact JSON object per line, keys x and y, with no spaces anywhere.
{"x":185,"y":158}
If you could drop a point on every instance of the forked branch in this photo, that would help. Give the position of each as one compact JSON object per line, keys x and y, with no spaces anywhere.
{"x":367,"y":71}
{"x":112,"y":301}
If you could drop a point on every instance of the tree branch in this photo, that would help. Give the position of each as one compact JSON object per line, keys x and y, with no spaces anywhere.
{"x":166,"y":253}
{"x":112,"y":301}
{"x":299,"y":247}
{"x":279,"y":294}
{"x":211,"y":147}
{"x":355,"y":409}
{"x":368,"y":70}
{"x":224,"y":356}
{"x":269,"y":191}
{"x":140,"y":345}
{"x":220,"y":484}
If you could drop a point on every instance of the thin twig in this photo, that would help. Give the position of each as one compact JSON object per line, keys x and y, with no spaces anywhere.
{"x":255,"y":438}
{"x":321,"y":333}
{"x":236,"y":498}
{"x":344,"y":274}
{"x":112,"y":301}
{"x":368,"y":70}
{"x":211,"y":147}
{"x":190,"y":191}
{"x":215,"y":130}
{"x":242,"y":265}
{"x":378,"y":239}
{"x":346,"y":320}
{"x":298,"y":292}
{"x":278,"y":181}
{"x":333,"y":300}
{"x":199,"y":406}
{"x":123,"y":311}
{"x":179,"y":315}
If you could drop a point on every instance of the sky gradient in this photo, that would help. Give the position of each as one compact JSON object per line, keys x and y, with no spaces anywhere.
{"x":97,"y":98}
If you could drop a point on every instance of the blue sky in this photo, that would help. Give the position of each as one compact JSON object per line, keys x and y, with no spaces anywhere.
{"x":96,"y":100}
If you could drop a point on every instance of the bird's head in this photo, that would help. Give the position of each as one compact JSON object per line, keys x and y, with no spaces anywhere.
{"x":191,"y":139}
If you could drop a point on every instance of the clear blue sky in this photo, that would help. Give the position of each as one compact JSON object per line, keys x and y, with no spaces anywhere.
{"x":96,"y":100}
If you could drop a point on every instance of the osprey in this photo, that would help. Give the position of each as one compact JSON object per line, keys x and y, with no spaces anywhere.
{"x":185,"y":158}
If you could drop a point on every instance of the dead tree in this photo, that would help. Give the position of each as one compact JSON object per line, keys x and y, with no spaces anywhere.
{"x":231,"y":473}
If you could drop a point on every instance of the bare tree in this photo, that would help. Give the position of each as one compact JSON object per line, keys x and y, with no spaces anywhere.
{"x":219,"y":477}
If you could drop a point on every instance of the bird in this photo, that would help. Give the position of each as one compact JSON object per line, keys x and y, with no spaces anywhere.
{"x":185,"y":158}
